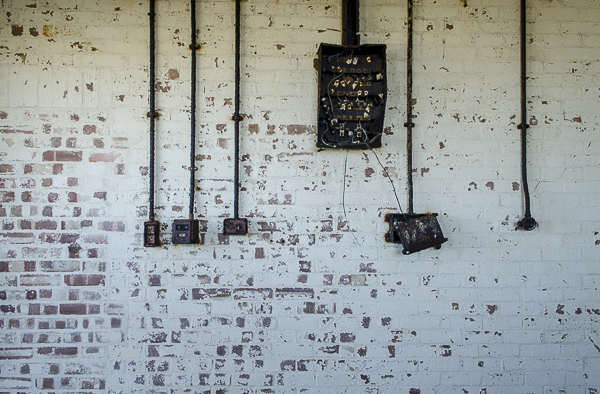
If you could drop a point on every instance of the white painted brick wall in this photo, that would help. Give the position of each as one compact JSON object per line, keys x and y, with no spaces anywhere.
{"x":312,"y":300}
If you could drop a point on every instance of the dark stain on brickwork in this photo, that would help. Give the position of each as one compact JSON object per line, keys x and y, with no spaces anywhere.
{"x":17,"y":30}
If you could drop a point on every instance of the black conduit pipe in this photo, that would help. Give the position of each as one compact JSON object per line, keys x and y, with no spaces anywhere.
{"x":527,"y":223}
{"x":152,"y":113}
{"x":235,"y":225}
{"x":152,"y":227}
{"x":236,"y":115}
{"x":193,"y":168}
{"x":409,"y":105}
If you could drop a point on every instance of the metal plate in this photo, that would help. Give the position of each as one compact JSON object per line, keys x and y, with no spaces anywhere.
{"x":185,"y":231}
{"x":151,"y":234}
{"x":414,"y":231}
{"x":235,"y":226}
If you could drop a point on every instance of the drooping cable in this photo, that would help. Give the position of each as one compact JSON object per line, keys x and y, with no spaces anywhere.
{"x":152,"y":113}
{"x":388,"y":177}
{"x":409,"y":109}
{"x":193,"y":48}
{"x":527,"y":223}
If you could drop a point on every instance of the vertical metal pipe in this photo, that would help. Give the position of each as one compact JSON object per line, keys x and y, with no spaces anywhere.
{"x":527,"y":223}
{"x":236,"y":115}
{"x":350,"y":22}
{"x":193,"y":47}
{"x":152,"y":112}
{"x":409,"y":98}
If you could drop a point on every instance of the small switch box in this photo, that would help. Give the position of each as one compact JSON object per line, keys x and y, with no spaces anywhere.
{"x":235,"y":227}
{"x":185,"y":231}
{"x":151,"y":233}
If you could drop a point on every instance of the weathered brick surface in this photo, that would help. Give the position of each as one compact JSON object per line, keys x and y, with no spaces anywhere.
{"x":312,"y":300}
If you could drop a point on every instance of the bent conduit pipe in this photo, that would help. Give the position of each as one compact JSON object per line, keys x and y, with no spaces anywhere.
{"x":527,"y":223}
{"x":409,"y":114}
{"x":193,"y":168}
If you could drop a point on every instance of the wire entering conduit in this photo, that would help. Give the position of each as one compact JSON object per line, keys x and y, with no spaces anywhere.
{"x":152,"y":112}
{"x":236,"y":115}
{"x":409,"y":105}
{"x":527,"y":223}
{"x":193,"y":168}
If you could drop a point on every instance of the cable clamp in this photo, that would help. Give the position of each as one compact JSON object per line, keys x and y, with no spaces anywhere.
{"x":409,"y":124}
{"x":237,"y":117}
{"x":523,"y":126}
{"x":153,"y":114}
{"x":193,"y":168}
{"x":196,"y":46}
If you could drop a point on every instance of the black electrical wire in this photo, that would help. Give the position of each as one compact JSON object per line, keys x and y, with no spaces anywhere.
{"x":152,"y":112}
{"x":527,"y":223}
{"x":388,"y":177}
{"x":193,"y":48}
{"x":236,"y":115}
{"x":409,"y":113}
{"x":344,"y":197}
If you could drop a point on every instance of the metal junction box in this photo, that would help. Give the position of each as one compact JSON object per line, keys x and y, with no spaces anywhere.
{"x":185,"y":231}
{"x":352,"y":95}
{"x":414,"y":231}
{"x":235,"y":226}
{"x":151,"y":234}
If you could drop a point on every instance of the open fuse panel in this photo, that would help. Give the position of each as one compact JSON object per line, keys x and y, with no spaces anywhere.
{"x":352,"y":95}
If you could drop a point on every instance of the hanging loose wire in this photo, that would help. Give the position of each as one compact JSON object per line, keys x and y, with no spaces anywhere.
{"x":193,"y":168}
{"x":387,"y":175}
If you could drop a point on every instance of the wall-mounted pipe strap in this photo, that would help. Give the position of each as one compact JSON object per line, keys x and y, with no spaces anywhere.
{"x":409,"y":103}
{"x":527,"y":223}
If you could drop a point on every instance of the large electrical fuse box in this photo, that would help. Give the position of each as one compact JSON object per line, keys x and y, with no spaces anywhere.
{"x":352,"y":95}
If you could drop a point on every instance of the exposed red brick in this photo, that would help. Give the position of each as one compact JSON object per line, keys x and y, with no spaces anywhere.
{"x":89,"y":129}
{"x":26,"y":197}
{"x":7,"y":196}
{"x":39,"y":280}
{"x":62,"y":155}
{"x":84,"y":280}
{"x":12,"y":130}
{"x":112,"y":226}
{"x":100,"y":195}
{"x":7,"y":169}
{"x":298,"y":129}
{"x":104,"y":157}
{"x":17,"y":238}
{"x":46,"y":225}
{"x":73,"y":309}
